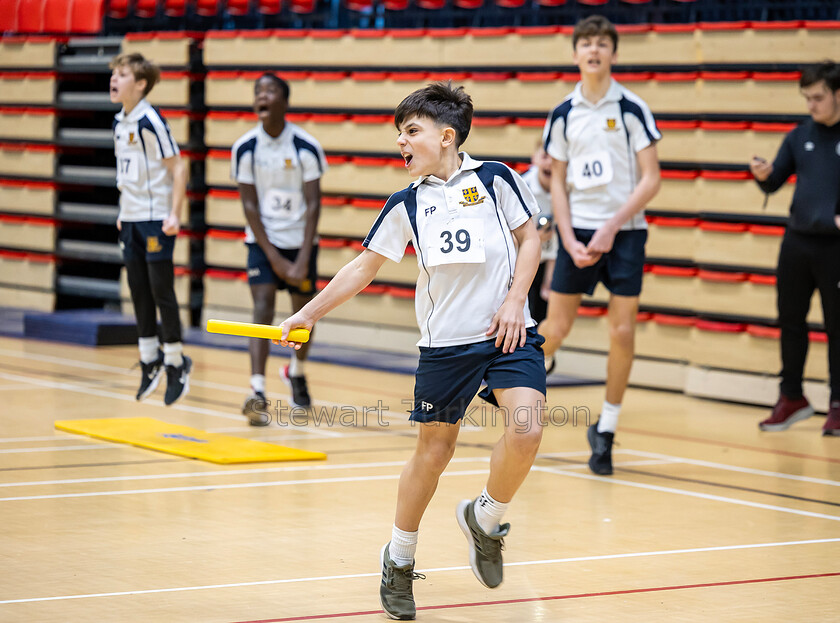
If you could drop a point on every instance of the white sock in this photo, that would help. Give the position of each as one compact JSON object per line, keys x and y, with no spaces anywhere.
{"x":402,"y":547}
{"x":258,"y":382}
{"x":173,"y":354}
{"x":295,"y":366}
{"x":149,"y":347}
{"x":488,"y":512}
{"x":608,"y":420}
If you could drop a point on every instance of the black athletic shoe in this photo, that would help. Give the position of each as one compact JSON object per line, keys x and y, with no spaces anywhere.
{"x":300,"y":392}
{"x":601,"y":443}
{"x":151,"y":373}
{"x":256,"y":409}
{"x":177,"y":381}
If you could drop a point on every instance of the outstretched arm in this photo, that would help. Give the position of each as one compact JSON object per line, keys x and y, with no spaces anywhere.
{"x":348,"y":282}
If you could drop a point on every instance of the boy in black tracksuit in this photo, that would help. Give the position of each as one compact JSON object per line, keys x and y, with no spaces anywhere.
{"x":810,"y":254}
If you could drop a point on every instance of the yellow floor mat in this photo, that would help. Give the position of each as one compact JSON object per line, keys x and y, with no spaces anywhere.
{"x":184,"y":441}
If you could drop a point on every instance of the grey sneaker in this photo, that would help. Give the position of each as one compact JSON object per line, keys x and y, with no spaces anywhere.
{"x":256,"y":409}
{"x":485,"y":549}
{"x":395,"y":592}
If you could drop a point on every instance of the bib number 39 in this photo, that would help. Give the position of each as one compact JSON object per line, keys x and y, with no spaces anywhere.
{"x":460,"y":241}
{"x":461,"y":244}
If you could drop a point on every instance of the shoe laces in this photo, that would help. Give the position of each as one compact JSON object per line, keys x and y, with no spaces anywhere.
{"x":399,"y":580}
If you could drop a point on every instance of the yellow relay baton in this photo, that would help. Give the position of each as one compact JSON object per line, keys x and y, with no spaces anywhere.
{"x":250,"y":329}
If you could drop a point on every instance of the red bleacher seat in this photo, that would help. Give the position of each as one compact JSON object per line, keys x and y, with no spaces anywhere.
{"x":359,"y":5}
{"x":86,"y":16}
{"x":30,"y":16}
{"x":468,"y":4}
{"x":208,"y":8}
{"x":550,"y":3}
{"x":238,"y":7}
{"x":145,"y":8}
{"x":57,"y":16}
{"x":118,"y":9}
{"x":302,"y":6}
{"x":269,"y":7}
{"x":510,"y":4}
{"x":395,"y":5}
{"x":175,"y":8}
{"x":8,"y":13}
{"x":593,"y":2}
{"x":431,"y":4}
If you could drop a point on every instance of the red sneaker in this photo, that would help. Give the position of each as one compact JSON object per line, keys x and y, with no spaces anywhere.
{"x":787,"y":412}
{"x":832,"y":420}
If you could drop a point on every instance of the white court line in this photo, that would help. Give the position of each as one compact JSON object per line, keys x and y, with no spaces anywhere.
{"x":243,"y":485}
{"x":269,"y":470}
{"x":387,"y":414}
{"x":106,"y":394}
{"x":236,"y":472}
{"x":352,"y":576}
{"x":733,"y":468}
{"x":61,"y":448}
{"x":43,"y":438}
{"x":704,"y":496}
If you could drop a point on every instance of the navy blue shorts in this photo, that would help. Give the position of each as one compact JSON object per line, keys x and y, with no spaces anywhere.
{"x":448,"y":377}
{"x":620,"y":270}
{"x":259,"y":269}
{"x":145,"y":240}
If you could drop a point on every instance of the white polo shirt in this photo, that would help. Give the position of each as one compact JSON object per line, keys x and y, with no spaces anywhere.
{"x":531,"y":177}
{"x":600,"y":142}
{"x":142,"y":141}
{"x":278,"y":167}
{"x":461,"y":230}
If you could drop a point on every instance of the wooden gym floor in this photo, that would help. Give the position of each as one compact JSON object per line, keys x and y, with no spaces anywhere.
{"x":705,"y":519}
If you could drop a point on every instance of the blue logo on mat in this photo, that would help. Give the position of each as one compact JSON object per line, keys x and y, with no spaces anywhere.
{"x":184,"y":437}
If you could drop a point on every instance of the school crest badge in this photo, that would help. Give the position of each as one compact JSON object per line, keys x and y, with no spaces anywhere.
{"x":153,"y":245}
{"x":289,"y":164}
{"x":471,"y":196}
{"x":131,"y":138}
{"x":612,"y":126}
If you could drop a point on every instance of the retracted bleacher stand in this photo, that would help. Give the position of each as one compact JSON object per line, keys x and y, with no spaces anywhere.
{"x":58,"y":196}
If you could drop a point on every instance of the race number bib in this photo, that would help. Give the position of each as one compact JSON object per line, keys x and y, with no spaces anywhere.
{"x":282,"y":204}
{"x":591,"y":170}
{"x":128,"y":168}
{"x":461,"y":241}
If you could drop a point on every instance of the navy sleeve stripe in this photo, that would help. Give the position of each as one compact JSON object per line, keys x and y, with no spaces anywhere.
{"x":489,"y":171}
{"x":146,"y":124}
{"x":563,"y":111}
{"x":628,"y":106}
{"x":247,"y":146}
{"x":406,"y":196}
{"x":301,"y":143}
{"x":163,"y":129}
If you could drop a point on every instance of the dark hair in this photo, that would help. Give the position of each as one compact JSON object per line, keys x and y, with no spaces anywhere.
{"x":442,"y":103}
{"x":595,"y":26}
{"x":277,"y":80}
{"x":827,"y":70}
{"x":142,"y":69}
